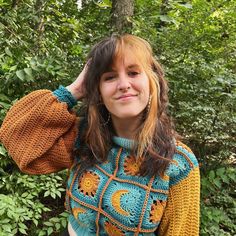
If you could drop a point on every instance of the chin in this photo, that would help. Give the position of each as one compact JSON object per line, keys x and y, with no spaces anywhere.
{"x":129,"y":115}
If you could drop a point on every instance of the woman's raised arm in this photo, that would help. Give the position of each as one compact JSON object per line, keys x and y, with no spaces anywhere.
{"x":39,"y":132}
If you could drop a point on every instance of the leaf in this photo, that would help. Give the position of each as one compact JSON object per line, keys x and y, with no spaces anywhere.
{"x":64,"y":223}
{"x":217,"y":182}
{"x":211,"y":175}
{"x":55,"y":219}
{"x":20,"y":74}
{"x":13,"y":68}
{"x":42,"y":233}
{"x":35,"y":222}
{"x":220,"y":171}
{"x":28,"y":71}
{"x":50,"y":230}
{"x":48,"y":223}
{"x":58,"y":226}
{"x":2,"y":151}
{"x":14,"y":231}
{"x":225,"y":179}
{"x":53,"y":195}
{"x":165,"y":18}
{"x":23,"y":226}
{"x":5,"y":105}
{"x":7,"y":228}
{"x":58,"y":194}
{"x":3,"y":97}
{"x":8,"y":52}
{"x":22,"y":231}
{"x":24,"y":195}
{"x":5,"y":221}
{"x":47,"y":193}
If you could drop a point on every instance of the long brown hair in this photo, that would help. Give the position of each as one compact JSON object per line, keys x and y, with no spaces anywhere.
{"x":155,"y":136}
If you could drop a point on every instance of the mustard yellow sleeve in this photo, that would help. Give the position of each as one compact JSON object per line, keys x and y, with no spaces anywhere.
{"x":181,"y":216}
{"x":39,"y":133}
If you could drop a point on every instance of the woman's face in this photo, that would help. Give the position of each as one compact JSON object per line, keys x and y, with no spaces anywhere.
{"x":125,"y":89}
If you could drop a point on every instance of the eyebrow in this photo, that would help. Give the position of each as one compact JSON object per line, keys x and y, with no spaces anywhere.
{"x":132,"y":66}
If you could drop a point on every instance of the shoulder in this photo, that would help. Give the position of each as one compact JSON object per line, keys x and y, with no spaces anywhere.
{"x":184,"y":161}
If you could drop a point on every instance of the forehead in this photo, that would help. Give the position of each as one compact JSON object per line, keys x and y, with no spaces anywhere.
{"x":127,"y":58}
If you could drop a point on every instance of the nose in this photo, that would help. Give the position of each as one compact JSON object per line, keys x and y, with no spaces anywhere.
{"x":123,"y":82}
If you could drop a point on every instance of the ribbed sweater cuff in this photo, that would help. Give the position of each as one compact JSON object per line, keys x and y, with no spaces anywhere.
{"x":63,"y":95}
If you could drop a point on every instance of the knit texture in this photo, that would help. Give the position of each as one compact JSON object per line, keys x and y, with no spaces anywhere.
{"x":39,"y":133}
{"x":110,"y":198}
{"x":63,"y":95}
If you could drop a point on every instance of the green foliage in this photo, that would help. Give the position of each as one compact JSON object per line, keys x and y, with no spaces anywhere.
{"x":27,"y":201}
{"x":16,"y":210}
{"x":54,"y":224}
{"x":218,"y":204}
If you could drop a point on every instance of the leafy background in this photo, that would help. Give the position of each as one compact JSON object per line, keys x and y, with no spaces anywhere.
{"x":44,"y":44}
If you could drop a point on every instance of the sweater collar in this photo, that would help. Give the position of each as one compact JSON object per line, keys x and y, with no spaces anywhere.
{"x":123,"y":142}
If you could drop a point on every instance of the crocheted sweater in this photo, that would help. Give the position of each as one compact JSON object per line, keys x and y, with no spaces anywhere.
{"x":40,"y":132}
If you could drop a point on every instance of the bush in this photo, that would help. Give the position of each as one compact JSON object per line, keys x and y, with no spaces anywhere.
{"x":218,"y":206}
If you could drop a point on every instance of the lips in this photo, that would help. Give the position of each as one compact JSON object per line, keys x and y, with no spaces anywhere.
{"x":126,"y":96}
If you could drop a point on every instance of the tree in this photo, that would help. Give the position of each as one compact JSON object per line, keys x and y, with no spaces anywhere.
{"x":44,"y":44}
{"x":122,"y":11}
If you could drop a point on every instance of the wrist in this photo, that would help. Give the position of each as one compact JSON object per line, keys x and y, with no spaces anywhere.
{"x":64,"y":95}
{"x":75,"y":92}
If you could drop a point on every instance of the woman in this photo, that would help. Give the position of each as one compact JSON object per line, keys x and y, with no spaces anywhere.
{"x":128,"y":173}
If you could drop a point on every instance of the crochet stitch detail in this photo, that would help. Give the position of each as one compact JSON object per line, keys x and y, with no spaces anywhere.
{"x":108,"y":198}
{"x":112,"y":230}
{"x":132,"y":165}
{"x":64,"y":95}
{"x":88,"y":183}
{"x":157,"y":210}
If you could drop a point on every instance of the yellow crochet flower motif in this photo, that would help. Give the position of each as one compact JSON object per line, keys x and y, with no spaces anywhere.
{"x":132,"y":165}
{"x":112,"y":230}
{"x":178,"y":143}
{"x":88,"y":183}
{"x":157,"y":210}
{"x":165,"y":177}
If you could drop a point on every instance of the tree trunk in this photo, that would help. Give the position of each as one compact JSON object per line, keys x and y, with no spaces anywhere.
{"x":122,"y":11}
{"x":15,"y":3}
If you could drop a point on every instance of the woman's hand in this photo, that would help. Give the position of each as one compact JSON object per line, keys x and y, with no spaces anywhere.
{"x":77,"y":87}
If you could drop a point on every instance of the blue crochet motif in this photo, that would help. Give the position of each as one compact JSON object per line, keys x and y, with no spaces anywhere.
{"x":111,"y":195}
{"x":63,"y":95}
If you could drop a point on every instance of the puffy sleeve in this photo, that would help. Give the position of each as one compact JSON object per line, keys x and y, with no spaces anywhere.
{"x":181,"y":216}
{"x":39,"y":132}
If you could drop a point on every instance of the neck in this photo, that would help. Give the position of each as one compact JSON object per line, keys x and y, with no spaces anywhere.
{"x":126,"y":128}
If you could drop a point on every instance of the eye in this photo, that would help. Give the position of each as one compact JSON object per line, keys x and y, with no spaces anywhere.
{"x":108,"y":76}
{"x":133,"y":73}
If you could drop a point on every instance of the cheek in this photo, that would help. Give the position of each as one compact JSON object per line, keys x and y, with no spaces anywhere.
{"x":144,"y":87}
{"x":146,"y":92}
{"x":106,"y":92}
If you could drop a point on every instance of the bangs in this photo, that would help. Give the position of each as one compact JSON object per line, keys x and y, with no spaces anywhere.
{"x":136,"y":48}
{"x":104,"y":55}
{"x":101,"y":57}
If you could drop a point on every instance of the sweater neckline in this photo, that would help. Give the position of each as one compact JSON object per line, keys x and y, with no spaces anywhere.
{"x":124,"y":142}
